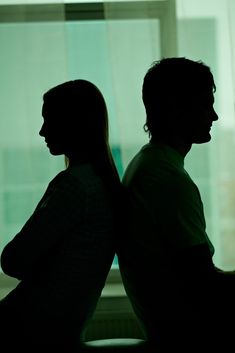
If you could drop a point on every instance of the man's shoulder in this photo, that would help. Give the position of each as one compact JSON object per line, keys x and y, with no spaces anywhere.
{"x":152,"y":163}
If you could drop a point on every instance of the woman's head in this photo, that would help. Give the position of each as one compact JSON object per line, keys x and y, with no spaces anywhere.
{"x":75,"y":120}
{"x":76,"y":125}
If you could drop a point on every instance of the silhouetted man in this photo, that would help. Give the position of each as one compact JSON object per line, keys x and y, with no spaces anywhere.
{"x":166,"y":256}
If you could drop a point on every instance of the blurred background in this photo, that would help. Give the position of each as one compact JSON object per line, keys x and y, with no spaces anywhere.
{"x":44,"y":43}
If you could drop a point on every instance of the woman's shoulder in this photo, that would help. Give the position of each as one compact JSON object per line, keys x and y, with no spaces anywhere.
{"x":84,"y":174}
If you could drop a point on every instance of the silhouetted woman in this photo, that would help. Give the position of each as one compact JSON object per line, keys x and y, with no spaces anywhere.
{"x":63,"y":253}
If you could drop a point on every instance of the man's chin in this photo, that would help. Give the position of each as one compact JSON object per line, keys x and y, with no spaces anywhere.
{"x":55,"y":152}
{"x":202,"y":139}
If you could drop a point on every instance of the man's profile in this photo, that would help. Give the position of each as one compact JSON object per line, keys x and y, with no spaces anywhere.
{"x":166,"y":256}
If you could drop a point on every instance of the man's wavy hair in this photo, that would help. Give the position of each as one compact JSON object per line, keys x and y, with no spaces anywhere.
{"x":169,"y":86}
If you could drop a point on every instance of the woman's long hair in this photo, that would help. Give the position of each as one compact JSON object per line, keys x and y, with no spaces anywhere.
{"x":82,"y":107}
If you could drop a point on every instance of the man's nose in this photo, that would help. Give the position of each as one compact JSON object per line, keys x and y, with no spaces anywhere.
{"x":214,"y":116}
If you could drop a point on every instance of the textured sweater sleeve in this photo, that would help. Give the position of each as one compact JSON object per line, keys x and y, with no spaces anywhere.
{"x":60,"y":209}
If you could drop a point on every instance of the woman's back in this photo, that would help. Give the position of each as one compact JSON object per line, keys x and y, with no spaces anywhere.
{"x":63,"y":253}
{"x":79,"y":239}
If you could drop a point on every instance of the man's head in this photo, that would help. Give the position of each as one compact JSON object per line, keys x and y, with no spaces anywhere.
{"x":178,"y":95}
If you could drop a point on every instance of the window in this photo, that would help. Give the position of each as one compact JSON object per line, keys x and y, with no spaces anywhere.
{"x":111,"y":44}
{"x":206,"y":32}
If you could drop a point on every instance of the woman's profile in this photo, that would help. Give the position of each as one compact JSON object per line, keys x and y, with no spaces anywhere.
{"x":63,"y":253}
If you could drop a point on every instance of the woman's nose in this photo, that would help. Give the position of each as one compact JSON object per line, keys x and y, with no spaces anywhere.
{"x":41,"y":131}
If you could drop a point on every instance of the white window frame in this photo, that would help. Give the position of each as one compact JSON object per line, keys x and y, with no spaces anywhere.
{"x":162,"y":10}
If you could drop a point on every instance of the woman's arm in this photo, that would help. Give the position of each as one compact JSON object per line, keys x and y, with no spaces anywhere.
{"x":56,"y":214}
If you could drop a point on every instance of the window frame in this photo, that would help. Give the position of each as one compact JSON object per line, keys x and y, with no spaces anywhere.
{"x":162,"y":10}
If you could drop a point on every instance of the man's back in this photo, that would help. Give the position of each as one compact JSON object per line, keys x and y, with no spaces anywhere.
{"x":165,"y":218}
{"x":158,"y":188}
